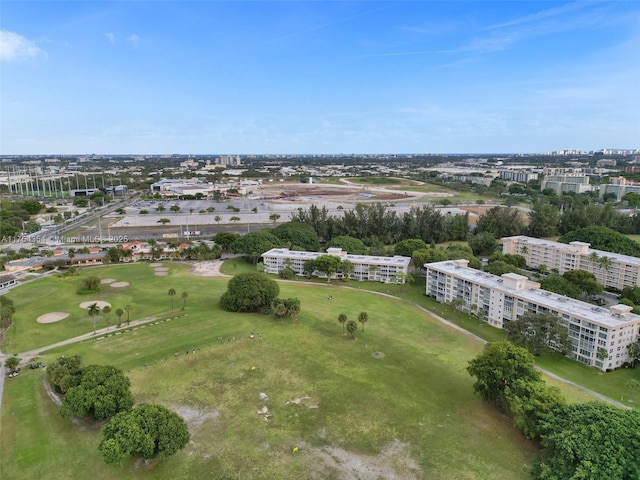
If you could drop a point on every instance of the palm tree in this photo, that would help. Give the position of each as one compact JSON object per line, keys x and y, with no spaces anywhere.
{"x":352,"y":328}
{"x":172,"y":293}
{"x":184,"y":296}
{"x":363,"y":318}
{"x":342,"y":318}
{"x":119,"y":313}
{"x":524,"y":250}
{"x":93,"y":311}
{"x":128,"y":309}
{"x":373,"y":269}
{"x":604,"y":263}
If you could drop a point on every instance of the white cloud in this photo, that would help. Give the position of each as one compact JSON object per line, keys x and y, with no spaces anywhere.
{"x":15,"y":47}
{"x":134,"y":39}
{"x":111,"y":37}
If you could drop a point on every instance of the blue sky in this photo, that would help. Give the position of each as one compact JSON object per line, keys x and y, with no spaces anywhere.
{"x":210,"y":77}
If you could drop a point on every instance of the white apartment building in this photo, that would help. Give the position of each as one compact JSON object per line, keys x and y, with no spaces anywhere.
{"x":365,"y":267}
{"x":500,"y":299}
{"x":618,"y":271}
{"x":619,"y":186}
{"x":568,"y":182}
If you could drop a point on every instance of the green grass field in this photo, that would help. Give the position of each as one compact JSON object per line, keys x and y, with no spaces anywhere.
{"x":411,"y":414}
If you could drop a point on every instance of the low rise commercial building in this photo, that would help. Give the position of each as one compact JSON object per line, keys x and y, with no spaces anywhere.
{"x":365,"y":267}
{"x":501,"y":299}
{"x":610,"y":269}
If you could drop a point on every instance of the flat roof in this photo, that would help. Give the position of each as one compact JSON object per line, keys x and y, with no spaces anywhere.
{"x":285,"y":252}
{"x":567,"y":247}
{"x":592,"y":313}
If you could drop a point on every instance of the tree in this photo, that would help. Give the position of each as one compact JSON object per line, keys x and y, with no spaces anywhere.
{"x":7,"y":310}
{"x":633,"y":350}
{"x":483,"y":243}
{"x":539,"y":333}
{"x":250,"y":292}
{"x":174,"y":208}
{"x":342,"y":318}
{"x":234,"y":219}
{"x":500,"y":267}
{"x":349,"y":244}
{"x":543,"y":220}
{"x":226,"y":239}
{"x":602,"y":354}
{"x":217,"y":218}
{"x":347,"y":267}
{"x":148,"y":430}
{"x":254,"y":244}
{"x":164,"y":221}
{"x":274,"y":217}
{"x":102,"y":392}
{"x":501,"y":222}
{"x":328,"y":264}
{"x":308,"y":267}
{"x":428,"y":255}
{"x":119,"y":313}
{"x":363,"y":318}
{"x":585,"y":281}
{"x":532,"y":403}
{"x":128,"y":309}
{"x":89,"y":285}
{"x":64,"y":373}
{"x":498,"y":369}
{"x":603,"y":238}
{"x":298,"y":235}
{"x":172,"y":293}
{"x":293,"y":308}
{"x":560,"y":285}
{"x":93,"y":311}
{"x":352,"y":328}
{"x":184,"y":297}
{"x":279,"y":308}
{"x":12,"y":363}
{"x":407,"y":247}
{"x":106,"y":310}
{"x":589,"y":441}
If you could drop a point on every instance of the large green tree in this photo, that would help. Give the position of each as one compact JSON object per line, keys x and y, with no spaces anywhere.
{"x":499,"y":368}
{"x":603,"y":238}
{"x":543,"y":220}
{"x":539,"y":333}
{"x":407,"y":247}
{"x":351,"y":245}
{"x":65,"y":372}
{"x":226,"y":240}
{"x":148,"y":430}
{"x":328,"y":264}
{"x":250,"y":292}
{"x":102,"y":392}
{"x":589,"y":441}
{"x":298,"y":236}
{"x":254,"y":244}
{"x":501,"y":222}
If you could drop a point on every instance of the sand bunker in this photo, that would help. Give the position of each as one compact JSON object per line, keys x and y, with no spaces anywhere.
{"x":107,"y":280}
{"x":100,"y":304}
{"x":162,"y":274}
{"x":52,"y":317}
{"x":161,"y":269}
{"x":156,"y":264}
{"x":120,"y":284}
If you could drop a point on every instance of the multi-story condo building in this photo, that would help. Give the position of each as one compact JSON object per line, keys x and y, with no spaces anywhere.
{"x":566,"y":182}
{"x":610,"y":269}
{"x":619,"y":186}
{"x":365,"y":267}
{"x":521,"y":176}
{"x":500,"y":299}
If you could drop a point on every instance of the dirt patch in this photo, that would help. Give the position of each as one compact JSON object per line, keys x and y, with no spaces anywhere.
{"x":120,"y":284}
{"x":52,"y":317}
{"x":393,"y":463}
{"x":99,"y":303}
{"x":208,"y":269}
{"x":107,"y":280}
{"x":55,"y":398}
{"x":195,"y":418}
{"x":156,"y":264}
{"x":161,"y":269}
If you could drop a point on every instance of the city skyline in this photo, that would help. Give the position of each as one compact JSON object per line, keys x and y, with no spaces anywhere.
{"x":318,"y":77}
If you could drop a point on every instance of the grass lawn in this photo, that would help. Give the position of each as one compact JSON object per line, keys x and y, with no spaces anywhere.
{"x":411,"y":413}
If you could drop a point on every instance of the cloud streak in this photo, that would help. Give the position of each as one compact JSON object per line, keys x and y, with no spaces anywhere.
{"x":15,"y":48}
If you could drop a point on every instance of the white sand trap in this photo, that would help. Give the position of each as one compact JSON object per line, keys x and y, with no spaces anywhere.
{"x":107,"y":280}
{"x":156,"y":264}
{"x":52,"y":317}
{"x":100,"y":304}
{"x":161,"y":269}
{"x":120,"y":284}
{"x":162,"y":274}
